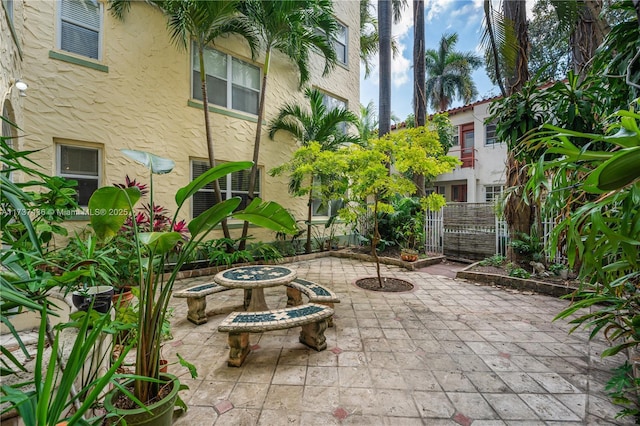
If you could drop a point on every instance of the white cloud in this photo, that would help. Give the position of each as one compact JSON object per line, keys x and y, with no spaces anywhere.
{"x":435,"y":8}
{"x":469,"y":10}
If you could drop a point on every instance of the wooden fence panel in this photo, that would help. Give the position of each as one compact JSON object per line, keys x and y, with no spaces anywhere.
{"x":469,"y":230}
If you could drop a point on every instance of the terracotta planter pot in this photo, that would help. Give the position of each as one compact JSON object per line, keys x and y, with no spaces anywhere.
{"x":164,"y":366}
{"x":409,"y":255}
{"x":122,"y":299}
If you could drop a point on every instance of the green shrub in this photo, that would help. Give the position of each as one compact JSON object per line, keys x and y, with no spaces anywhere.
{"x":264,"y":251}
{"x":496,"y":260}
{"x":557,"y":267}
{"x":515,"y":271}
{"x":530,"y":247}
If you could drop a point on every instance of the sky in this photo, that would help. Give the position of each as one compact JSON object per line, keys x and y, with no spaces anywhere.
{"x":441,"y":16}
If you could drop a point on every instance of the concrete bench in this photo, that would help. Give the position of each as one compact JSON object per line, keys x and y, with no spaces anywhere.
{"x":197,"y":300}
{"x":311,"y":317}
{"x":315,"y":292}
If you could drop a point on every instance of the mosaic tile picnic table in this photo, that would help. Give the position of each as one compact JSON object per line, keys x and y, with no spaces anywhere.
{"x":255,"y":278}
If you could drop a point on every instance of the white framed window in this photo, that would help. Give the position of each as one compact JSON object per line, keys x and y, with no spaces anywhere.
{"x":493,"y":193}
{"x":82,"y":164}
{"x":326,"y":209}
{"x":490,"y":134}
{"x":456,"y":136}
{"x":321,"y":207}
{"x":235,"y":184}
{"x":8,"y":7}
{"x":331,"y":103}
{"x":341,"y":43}
{"x":80,"y":27}
{"x":231,"y":83}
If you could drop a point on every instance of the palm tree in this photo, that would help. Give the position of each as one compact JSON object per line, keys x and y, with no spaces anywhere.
{"x":369,"y":38}
{"x":367,"y":122}
{"x":321,"y":125}
{"x":449,"y":73}
{"x":203,"y":22}
{"x":384,"y":102}
{"x":419,"y":79}
{"x":295,"y":28}
{"x":419,"y":65}
{"x":507,"y":40}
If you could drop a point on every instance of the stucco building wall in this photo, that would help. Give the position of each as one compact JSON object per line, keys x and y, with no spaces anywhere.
{"x":11,"y":64}
{"x":143,"y":100}
{"x":489,"y":159}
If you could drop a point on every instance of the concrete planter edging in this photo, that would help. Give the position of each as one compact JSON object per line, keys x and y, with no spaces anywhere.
{"x":411,"y":266}
{"x":521,"y":284}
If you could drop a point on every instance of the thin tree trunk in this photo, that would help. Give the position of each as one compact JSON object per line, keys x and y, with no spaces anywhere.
{"x":636,"y":5}
{"x":256,"y":145}
{"x":376,"y":239}
{"x":419,"y":79}
{"x":384,"y":30}
{"x":207,"y":126}
{"x":307,"y":246}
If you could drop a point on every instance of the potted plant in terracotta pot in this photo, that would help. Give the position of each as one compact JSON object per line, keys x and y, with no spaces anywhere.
{"x":149,"y":397}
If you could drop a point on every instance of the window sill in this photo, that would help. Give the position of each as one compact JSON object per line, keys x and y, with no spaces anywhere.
{"x":321,"y":220}
{"x":224,"y":111}
{"x":77,"y":61}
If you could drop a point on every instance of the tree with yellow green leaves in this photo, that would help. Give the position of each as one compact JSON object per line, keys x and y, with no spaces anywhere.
{"x":364,"y":169}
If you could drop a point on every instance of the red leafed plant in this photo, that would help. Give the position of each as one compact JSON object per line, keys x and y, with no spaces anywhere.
{"x":151,"y":219}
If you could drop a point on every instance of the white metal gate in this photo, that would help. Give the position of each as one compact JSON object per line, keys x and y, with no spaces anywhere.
{"x":434,"y":231}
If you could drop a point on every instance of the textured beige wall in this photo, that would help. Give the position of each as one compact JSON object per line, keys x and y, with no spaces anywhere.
{"x":11,"y":61}
{"x":141,"y":102}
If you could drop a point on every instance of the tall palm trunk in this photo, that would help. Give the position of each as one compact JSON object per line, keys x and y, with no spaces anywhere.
{"x":384,"y":28}
{"x":256,"y":146}
{"x":207,"y":126}
{"x":588,"y":33}
{"x":515,"y":15}
{"x":518,"y":214}
{"x":419,"y":78}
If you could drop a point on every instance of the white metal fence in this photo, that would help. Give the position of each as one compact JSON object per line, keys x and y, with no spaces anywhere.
{"x":435,"y":232}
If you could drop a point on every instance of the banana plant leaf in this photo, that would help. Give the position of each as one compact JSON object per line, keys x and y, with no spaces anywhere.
{"x":618,"y":171}
{"x":109,"y":207}
{"x":209,"y":176}
{"x":268,"y":215}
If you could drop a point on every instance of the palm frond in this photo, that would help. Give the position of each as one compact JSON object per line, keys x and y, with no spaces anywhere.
{"x":492,"y":37}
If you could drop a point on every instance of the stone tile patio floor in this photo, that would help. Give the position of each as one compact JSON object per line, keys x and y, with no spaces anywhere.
{"x":448,"y":353}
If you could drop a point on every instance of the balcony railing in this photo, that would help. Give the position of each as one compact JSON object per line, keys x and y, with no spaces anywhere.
{"x":466,"y":155}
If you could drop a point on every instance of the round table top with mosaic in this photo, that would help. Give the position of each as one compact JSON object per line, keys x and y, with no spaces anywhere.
{"x":257,"y":276}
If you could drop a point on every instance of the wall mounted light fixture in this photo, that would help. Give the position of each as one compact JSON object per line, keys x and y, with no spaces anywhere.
{"x":22,"y":87}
